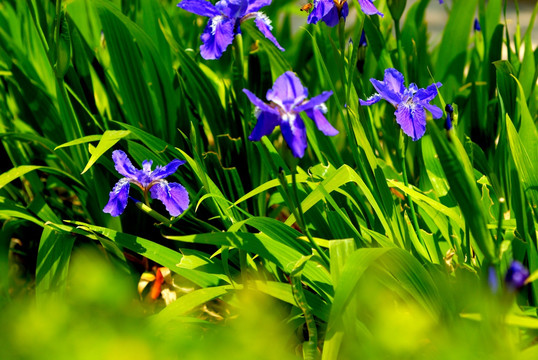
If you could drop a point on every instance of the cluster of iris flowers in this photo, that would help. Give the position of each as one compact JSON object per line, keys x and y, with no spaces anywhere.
{"x":286,"y":100}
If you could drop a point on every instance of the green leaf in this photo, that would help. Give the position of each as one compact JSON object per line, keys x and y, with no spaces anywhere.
{"x":109,"y":139}
{"x":158,"y":253}
{"x":53,"y":262}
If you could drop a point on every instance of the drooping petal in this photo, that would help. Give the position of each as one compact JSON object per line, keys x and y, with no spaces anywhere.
{"x":199,"y":7}
{"x":321,"y":122}
{"x":161,"y":172}
{"x":412,"y":120}
{"x":287,"y":91}
{"x":321,"y":8}
{"x":123,"y":165}
{"x":332,"y":18}
{"x":264,"y":25}
{"x":118,"y":197}
{"x":218,"y":34}
{"x":256,"y":5}
{"x":315,"y":101}
{"x":173,"y":195}
{"x":260,"y":104}
{"x":435,"y":110}
{"x":345,"y":10}
{"x":369,"y":8}
{"x":392,"y":88}
{"x":265,"y":125}
{"x":371,"y":100}
{"x":294,"y":133}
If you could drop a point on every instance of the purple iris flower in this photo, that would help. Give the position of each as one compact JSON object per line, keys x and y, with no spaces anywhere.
{"x":516,"y":275}
{"x":330,"y":11}
{"x":449,"y":116}
{"x":476,"y":25}
{"x":411,"y":103}
{"x":362,"y":41}
{"x":492,"y":280}
{"x":287,"y":99}
{"x":225,"y":17}
{"x":172,"y":195}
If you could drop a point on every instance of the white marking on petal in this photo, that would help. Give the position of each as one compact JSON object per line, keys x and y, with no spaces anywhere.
{"x":261,"y":16}
{"x":322,"y":107}
{"x":215,"y":22}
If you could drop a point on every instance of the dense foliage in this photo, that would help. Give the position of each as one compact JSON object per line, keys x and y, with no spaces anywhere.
{"x":406,"y":233}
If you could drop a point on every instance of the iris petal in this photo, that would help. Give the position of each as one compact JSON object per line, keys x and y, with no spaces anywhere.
{"x":315,"y":101}
{"x":321,"y":121}
{"x":412,"y":120}
{"x":264,"y":126}
{"x":163,"y":171}
{"x":264,"y":25}
{"x":218,"y":34}
{"x":118,"y":197}
{"x":173,"y":195}
{"x":371,"y":100}
{"x":321,"y":8}
{"x":392,"y":88}
{"x":332,"y":17}
{"x":260,"y":104}
{"x":287,"y":89}
{"x":435,"y":110}
{"x":427,"y":95}
{"x":369,"y":8}
{"x":199,"y":7}
{"x":294,"y":133}
{"x":123,"y":165}
{"x":255,"y":5}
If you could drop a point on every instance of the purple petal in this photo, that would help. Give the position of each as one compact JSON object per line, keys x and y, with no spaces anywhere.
{"x":412,"y":120}
{"x":233,"y":9}
{"x":264,"y":24}
{"x":368,"y":8}
{"x":321,"y":122}
{"x":321,"y":8}
{"x":516,"y":275}
{"x":255,"y":5}
{"x":287,"y":91}
{"x":315,"y":101}
{"x":392,"y":88}
{"x":163,"y":171}
{"x":345,"y":10}
{"x":435,"y":110}
{"x":427,"y":95}
{"x":123,"y":165}
{"x":172,"y":195}
{"x":260,"y":104}
{"x":218,"y":34}
{"x":118,"y":197}
{"x":371,"y":100}
{"x":264,"y":126}
{"x":199,"y":7}
{"x":332,"y":17}
{"x":294,"y":133}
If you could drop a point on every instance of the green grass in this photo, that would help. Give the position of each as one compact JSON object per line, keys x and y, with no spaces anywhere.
{"x":276,"y":257}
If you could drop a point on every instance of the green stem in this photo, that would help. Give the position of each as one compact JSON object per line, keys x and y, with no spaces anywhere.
{"x":299,"y":217}
{"x":401,"y":55}
{"x":297,"y":211}
{"x":406,"y":182}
